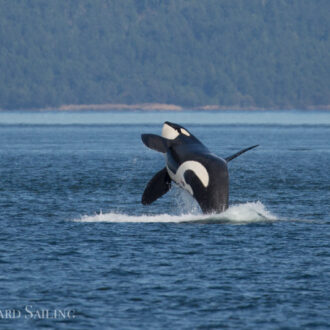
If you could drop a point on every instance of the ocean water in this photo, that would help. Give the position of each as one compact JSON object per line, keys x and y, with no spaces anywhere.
{"x":78,"y":250}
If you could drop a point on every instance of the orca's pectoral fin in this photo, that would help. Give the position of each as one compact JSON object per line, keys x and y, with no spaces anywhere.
{"x":155,"y":142}
{"x":159,"y":185}
{"x":228,"y":159}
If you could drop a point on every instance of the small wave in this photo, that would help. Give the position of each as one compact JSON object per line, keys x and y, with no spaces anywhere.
{"x":241,"y":213}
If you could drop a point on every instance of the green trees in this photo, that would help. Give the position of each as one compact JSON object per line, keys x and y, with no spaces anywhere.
{"x":258,"y":53}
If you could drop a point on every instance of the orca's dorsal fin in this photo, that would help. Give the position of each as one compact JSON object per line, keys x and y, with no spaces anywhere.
{"x":228,"y":159}
{"x":155,"y":142}
{"x":158,"y":186}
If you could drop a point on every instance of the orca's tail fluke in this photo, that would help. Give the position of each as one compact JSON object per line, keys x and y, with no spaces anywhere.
{"x":228,"y":159}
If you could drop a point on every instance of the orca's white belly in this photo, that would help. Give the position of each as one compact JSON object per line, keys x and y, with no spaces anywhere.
{"x":199,"y":170}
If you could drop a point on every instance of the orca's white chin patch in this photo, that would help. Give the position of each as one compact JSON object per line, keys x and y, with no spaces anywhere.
{"x":169,"y":132}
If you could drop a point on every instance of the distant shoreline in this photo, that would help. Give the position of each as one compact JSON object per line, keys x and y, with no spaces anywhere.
{"x":163,"y":107}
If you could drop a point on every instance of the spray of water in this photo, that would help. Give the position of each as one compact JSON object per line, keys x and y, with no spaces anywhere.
{"x":241,"y":213}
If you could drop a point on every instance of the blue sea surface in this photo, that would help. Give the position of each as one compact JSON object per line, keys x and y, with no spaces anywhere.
{"x":78,"y":250}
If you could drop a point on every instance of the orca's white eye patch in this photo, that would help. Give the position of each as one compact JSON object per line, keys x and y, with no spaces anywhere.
{"x":183,"y":131}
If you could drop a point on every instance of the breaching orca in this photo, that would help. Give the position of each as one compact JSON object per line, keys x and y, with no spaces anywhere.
{"x":190,"y":165}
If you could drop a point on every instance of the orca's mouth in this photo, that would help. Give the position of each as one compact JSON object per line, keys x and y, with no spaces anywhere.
{"x":173,"y":125}
{"x":169,"y":124}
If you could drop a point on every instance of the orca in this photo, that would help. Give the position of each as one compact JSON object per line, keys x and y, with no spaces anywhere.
{"x":191,"y":165}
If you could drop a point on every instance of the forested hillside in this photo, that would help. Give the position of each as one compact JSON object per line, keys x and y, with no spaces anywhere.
{"x":259,"y":53}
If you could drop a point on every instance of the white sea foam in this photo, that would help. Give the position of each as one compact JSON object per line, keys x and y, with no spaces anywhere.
{"x":241,"y":213}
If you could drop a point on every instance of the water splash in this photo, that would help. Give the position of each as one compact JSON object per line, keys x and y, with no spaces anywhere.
{"x":241,"y":213}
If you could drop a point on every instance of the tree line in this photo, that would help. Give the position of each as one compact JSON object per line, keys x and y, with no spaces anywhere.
{"x":256,"y":53}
